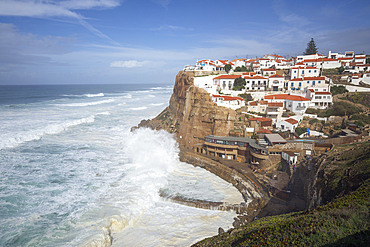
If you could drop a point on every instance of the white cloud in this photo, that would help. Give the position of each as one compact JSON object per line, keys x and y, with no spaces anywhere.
{"x":45,"y":8}
{"x":127,"y":64}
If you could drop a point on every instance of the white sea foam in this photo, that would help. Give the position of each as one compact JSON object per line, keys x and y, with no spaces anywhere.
{"x":151,"y":96}
{"x":10,"y":140}
{"x":138,"y":108}
{"x":156,"y":104}
{"x":128,"y":96}
{"x":89,"y":103}
{"x":94,"y":95}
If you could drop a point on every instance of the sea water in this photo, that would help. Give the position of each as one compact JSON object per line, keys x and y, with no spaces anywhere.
{"x":72,"y":173}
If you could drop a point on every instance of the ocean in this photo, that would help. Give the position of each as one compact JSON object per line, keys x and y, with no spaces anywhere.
{"x":72,"y":173}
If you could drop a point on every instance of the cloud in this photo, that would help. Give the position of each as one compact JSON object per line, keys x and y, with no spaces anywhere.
{"x":17,"y":48}
{"x":127,"y":64}
{"x":46,"y":9}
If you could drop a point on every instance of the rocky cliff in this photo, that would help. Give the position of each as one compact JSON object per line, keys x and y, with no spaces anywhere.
{"x":191,"y":114}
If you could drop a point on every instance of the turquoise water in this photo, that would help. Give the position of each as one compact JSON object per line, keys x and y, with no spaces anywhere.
{"x":72,"y":173}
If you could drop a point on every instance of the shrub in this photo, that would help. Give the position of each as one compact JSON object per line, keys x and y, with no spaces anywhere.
{"x":300,"y":130}
{"x":338,"y":90}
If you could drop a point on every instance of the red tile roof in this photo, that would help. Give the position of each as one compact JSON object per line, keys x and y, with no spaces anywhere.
{"x":227,"y":98}
{"x":322,"y":93}
{"x":314,"y":78}
{"x":253,"y":103}
{"x":276,"y":104}
{"x":291,"y":121}
{"x":226,"y":77}
{"x":269,"y":69}
{"x":264,"y":131}
{"x":286,"y":97}
{"x":296,"y":79}
{"x":254,"y":77}
{"x":276,"y":75}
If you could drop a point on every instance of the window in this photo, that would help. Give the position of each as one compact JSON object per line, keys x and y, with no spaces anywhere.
{"x":209,"y":140}
{"x":314,"y":71}
{"x":292,"y":84}
{"x":300,"y":84}
{"x":309,"y":71}
{"x":231,"y":143}
{"x":242,"y":144}
{"x":295,"y":72}
{"x":319,"y":82}
{"x":302,"y":72}
{"x":313,"y":83}
{"x":219,"y":142}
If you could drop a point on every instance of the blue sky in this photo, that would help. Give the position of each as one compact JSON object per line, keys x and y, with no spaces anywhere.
{"x":149,"y":41}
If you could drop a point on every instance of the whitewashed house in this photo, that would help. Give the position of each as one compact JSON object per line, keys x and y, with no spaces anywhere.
{"x":293,"y":103}
{"x":276,"y":82}
{"x":228,"y":101}
{"x":290,"y":157}
{"x":289,"y":124}
{"x":300,"y":72}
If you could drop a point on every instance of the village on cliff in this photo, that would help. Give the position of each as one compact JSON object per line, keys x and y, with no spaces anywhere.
{"x":283,"y":105}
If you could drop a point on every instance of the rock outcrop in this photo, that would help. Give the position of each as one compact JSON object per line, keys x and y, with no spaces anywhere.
{"x":192,"y":114}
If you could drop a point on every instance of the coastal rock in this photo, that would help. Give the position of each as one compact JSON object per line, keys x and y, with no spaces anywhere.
{"x":220,"y":231}
{"x":191,"y":114}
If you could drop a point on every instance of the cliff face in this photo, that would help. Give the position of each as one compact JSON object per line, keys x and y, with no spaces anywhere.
{"x":191,"y":114}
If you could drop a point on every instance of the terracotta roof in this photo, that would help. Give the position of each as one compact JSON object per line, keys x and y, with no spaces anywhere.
{"x":345,"y":58}
{"x":269,"y":69}
{"x":254,"y":77}
{"x":296,"y":79}
{"x":227,"y":98}
{"x":311,"y":90}
{"x":319,"y":60}
{"x":286,"y":97}
{"x":310,"y":68}
{"x":300,"y":63}
{"x":264,"y":131}
{"x":314,"y":78}
{"x":276,"y":104}
{"x":276,"y":75}
{"x":322,"y":93}
{"x":226,"y":77}
{"x":291,"y":121}
{"x":254,"y":103}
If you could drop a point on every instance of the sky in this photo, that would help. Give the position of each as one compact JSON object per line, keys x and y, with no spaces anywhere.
{"x":149,"y":41}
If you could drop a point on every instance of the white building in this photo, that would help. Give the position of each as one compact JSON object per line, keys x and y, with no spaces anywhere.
{"x":287,"y":124}
{"x":276,"y":82}
{"x":299,"y":84}
{"x":228,"y":101}
{"x":255,"y":82}
{"x":300,"y":72}
{"x":293,"y":103}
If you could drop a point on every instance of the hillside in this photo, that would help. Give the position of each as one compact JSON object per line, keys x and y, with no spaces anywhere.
{"x":341,"y":179}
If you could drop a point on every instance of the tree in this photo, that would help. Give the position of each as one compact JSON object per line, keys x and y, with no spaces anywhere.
{"x":239,"y":83}
{"x":311,"y":48}
{"x":227,"y":68}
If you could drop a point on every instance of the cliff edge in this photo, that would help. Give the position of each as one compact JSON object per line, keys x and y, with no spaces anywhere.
{"x":191,"y":114}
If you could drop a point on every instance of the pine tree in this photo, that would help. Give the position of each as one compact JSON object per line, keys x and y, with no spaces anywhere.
{"x":311,"y":48}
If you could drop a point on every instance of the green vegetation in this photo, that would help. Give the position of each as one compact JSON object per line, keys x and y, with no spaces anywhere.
{"x":311,"y":48}
{"x":246,"y":96}
{"x":241,"y":69}
{"x":343,"y":108}
{"x":361,"y":117}
{"x":335,"y":71}
{"x":300,"y":130}
{"x":358,"y":98}
{"x":338,"y":90}
{"x":239,"y":83}
{"x":343,"y":221}
{"x":227,"y":68}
